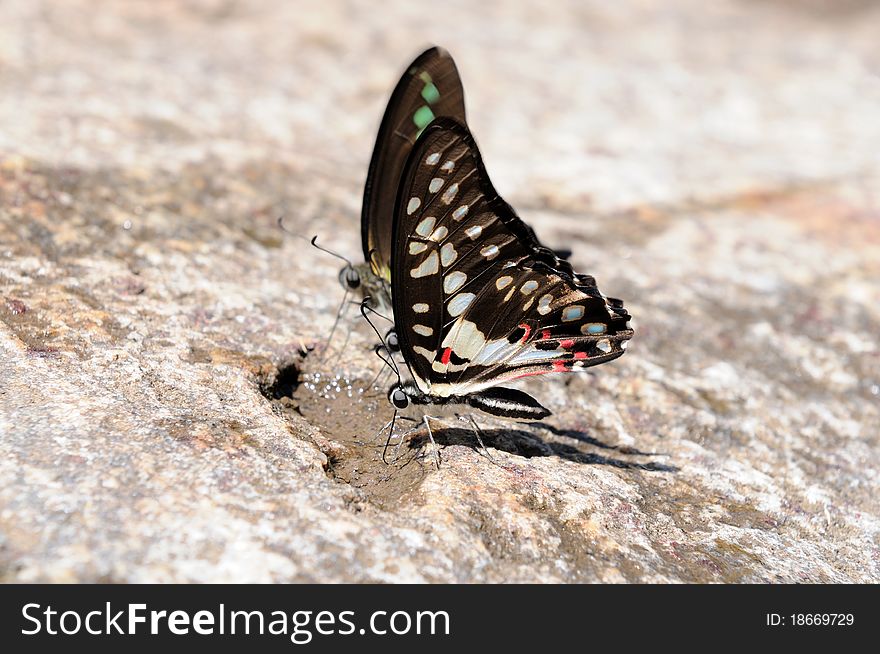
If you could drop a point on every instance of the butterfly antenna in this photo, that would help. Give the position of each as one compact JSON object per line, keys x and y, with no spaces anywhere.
{"x":280,"y":221}
{"x":284,"y":229}
{"x":382,"y":371}
{"x":330,"y":252}
{"x":381,"y":315}
{"x":344,"y":345}
{"x":342,"y":306}
{"x":389,"y":361}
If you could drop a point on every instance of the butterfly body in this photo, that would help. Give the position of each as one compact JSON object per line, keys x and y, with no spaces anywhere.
{"x":370,"y":286}
{"x":508,"y":403}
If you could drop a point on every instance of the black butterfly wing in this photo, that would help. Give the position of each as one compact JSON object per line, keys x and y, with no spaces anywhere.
{"x":430,"y":87}
{"x":477,"y":299}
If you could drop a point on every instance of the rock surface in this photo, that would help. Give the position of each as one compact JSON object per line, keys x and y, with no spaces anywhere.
{"x":714,"y":164}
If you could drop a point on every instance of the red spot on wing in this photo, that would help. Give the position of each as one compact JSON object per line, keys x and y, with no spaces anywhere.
{"x":545,"y":334}
{"x":580,"y":355}
{"x":558,"y":366}
{"x":528,"y":332}
{"x":444,"y":359}
{"x":567,"y":344}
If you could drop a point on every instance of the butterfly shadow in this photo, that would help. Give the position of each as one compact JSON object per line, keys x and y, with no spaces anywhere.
{"x":526,"y":444}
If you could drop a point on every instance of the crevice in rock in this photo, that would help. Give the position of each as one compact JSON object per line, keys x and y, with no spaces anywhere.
{"x":283,"y":383}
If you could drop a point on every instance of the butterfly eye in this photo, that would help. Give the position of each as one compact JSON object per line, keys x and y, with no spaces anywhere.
{"x":398,"y":398}
{"x":391,"y":341}
{"x":349,"y":278}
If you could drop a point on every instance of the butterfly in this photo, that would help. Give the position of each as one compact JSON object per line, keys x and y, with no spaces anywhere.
{"x":477,"y":300}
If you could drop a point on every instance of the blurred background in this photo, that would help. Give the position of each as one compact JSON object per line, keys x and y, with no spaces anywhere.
{"x":610,"y":104}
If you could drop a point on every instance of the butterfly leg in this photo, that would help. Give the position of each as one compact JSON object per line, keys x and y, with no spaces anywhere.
{"x":400,"y":441}
{"x":342,"y":307}
{"x":479,"y":434}
{"x":342,"y":349}
{"x":388,"y":424}
{"x":434,"y":449}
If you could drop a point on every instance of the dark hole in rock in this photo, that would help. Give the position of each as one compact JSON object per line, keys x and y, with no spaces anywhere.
{"x":283,"y":384}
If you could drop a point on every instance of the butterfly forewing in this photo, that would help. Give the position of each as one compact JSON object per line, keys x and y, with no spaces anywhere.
{"x":429,"y":88}
{"x":477,"y":299}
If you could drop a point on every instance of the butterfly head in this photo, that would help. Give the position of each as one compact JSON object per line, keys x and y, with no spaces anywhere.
{"x":349,"y":278}
{"x":403,"y":396}
{"x":398,"y":397}
{"x":391,"y":341}
{"x":390,"y":344}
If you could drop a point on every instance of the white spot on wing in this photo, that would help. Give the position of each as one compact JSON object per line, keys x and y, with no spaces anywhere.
{"x":449,"y":194}
{"x":529,"y":287}
{"x":425,"y":226}
{"x":493,"y":352}
{"x":423,"y":330}
{"x":533,"y":354}
{"x":425,"y":352}
{"x":454,"y":281}
{"x":448,"y":254}
{"x":490,"y":252}
{"x":433,"y":158}
{"x":572,"y":312}
{"x":460,"y":213}
{"x":448,"y":166}
{"x":544,"y":305}
{"x":604,"y":345}
{"x":474,"y":232}
{"x":503,"y":282}
{"x":435,"y":185}
{"x":439,"y":234}
{"x":465,"y":338}
{"x":459,"y":304}
{"x":417,"y":248}
{"x":593,"y":328}
{"x":429,"y":266}
{"x":421,"y":307}
{"x":414,"y":203}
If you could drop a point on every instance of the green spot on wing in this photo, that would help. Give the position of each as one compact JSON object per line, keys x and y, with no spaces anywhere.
{"x":430,"y":93}
{"x":423,"y":116}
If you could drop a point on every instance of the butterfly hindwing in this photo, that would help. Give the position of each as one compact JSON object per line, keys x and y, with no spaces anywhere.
{"x":430,"y":87}
{"x":477,"y":299}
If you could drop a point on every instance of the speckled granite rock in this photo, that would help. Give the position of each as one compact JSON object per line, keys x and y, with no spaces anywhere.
{"x":716,"y":167}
